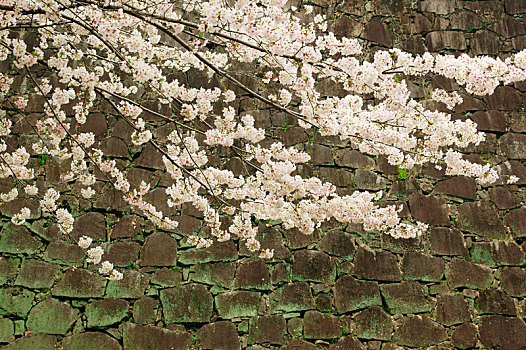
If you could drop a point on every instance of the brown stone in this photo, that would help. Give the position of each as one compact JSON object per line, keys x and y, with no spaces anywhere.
{"x":127,"y":226}
{"x":419,"y":331}
{"x":232,"y":305}
{"x":508,"y":27}
{"x":502,"y":332}
{"x":321,"y":326}
{"x":440,"y":40}
{"x":377,"y":32}
{"x":429,"y":209}
{"x":159,"y":250}
{"x":417,"y":266}
{"x":219,"y":251}
{"x":354,"y":159}
{"x":351,"y":294}
{"x":132,"y":285}
{"x":189,"y":303}
{"x":513,"y":146}
{"x":452,"y":309}
{"x":95,"y":123}
{"x":460,"y":186}
{"x":114,"y":147}
{"x":80,"y":283}
{"x":121,"y":253}
{"x":298,"y":344}
{"x":220,"y":335}
{"x":144,"y":310}
{"x":292,"y":297}
{"x":515,"y":6}
{"x":338,"y":243}
{"x":269,"y":238}
{"x":440,"y":7}
{"x":462,"y":273}
{"x":480,"y":218}
{"x":367,"y":180}
{"x":495,"y":301}
{"x":465,"y":336}
{"x":62,"y":252}
{"x":315,"y":266}
{"x":150,"y":158}
{"x":320,"y":154}
{"x":373,"y":323}
{"x":347,"y":343}
{"x":295,"y":239}
{"x":267,"y":329}
{"x":516,"y":221}
{"x":513,"y":281}
{"x":252,"y":274}
{"x":504,"y":98}
{"x":377,"y":265}
{"x":503,"y":198}
{"x":92,"y":224}
{"x":148,"y":337}
{"x":485,"y":43}
{"x":407,"y":297}
{"x":89,"y":341}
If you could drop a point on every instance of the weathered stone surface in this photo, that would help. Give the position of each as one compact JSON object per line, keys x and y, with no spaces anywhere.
{"x":144,"y":310}
{"x":429,"y":209}
{"x":377,"y":32}
{"x":503,"y":198}
{"x":516,"y":220}
{"x":513,"y":146}
{"x":90,"y":341}
{"x":495,"y":301}
{"x":295,"y":239}
{"x":114,"y":147}
{"x":490,"y":121}
{"x":445,"y":241}
{"x":513,"y":281}
{"x":376,"y":265}
{"x":167,"y":278}
{"x":485,"y":43}
{"x":111,"y":198}
{"x":460,"y":186}
{"x":7,"y":330}
{"x":220,"y":335}
{"x":132,"y":285}
{"x":465,"y":336}
{"x":52,"y":317}
{"x":321,"y":326}
{"x":106,"y":312}
{"x":320,"y":154}
{"x":347,"y":343}
{"x":497,"y":253}
{"x":191,"y":303}
{"x":480,"y":218}
{"x":139,"y":337}
{"x":452,"y":309}
{"x":502,"y":332}
{"x":351,"y":294}
{"x":159,"y":250}
{"x":419,"y":331}
{"x":232,"y":305}
{"x":440,"y":7}
{"x":417,"y":266}
{"x":353,"y":159}
{"x":80,"y":283}
{"x":315,"y":266}
{"x":36,"y":274}
{"x":92,"y":222}
{"x":34,"y":342}
{"x":220,"y":251}
{"x":440,"y":40}
{"x":64,"y":253}
{"x":253,"y":274}
{"x":8,"y":269}
{"x":298,"y":344}
{"x":367,"y":180}
{"x":16,"y":301}
{"x":373,"y":323}
{"x":267,"y":329}
{"x":404,"y":298}
{"x":127,"y":226}
{"x":292,"y":297}
{"x":150,"y":158}
{"x":18,"y":240}
{"x":338,"y":243}
{"x":462,"y":273}
{"x":219,"y":274}
{"x":122,"y":253}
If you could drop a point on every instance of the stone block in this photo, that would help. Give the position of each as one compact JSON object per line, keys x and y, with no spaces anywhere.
{"x":465,"y":336}
{"x":367,"y":180}
{"x":429,"y":209}
{"x":51,"y":317}
{"x":445,"y":241}
{"x":351,"y":294}
{"x":513,"y":146}
{"x":516,"y":220}
{"x":480,"y":218}
{"x":220,"y":251}
{"x":34,"y":342}
{"x":132,"y":285}
{"x":64,"y":253}
{"x":190,"y":303}
{"x":220,"y":335}
{"x":502,"y":332}
{"x":417,"y":266}
{"x":452,"y":309}
{"x":405,"y":297}
{"x":7,"y":330}
{"x":90,"y":341}
{"x":462,"y":273}
{"x":253,"y":274}
{"x":219,"y":274}
{"x":321,"y":326}
{"x":144,"y":310}
{"x":16,"y":301}
{"x":80,"y":283}
{"x":267,"y":329}
{"x":292,"y":297}
{"x":503,"y":198}
{"x":36,"y":274}
{"x":373,"y":323}
{"x":338,"y":243}
{"x":233,"y":305}
{"x":440,"y":40}
{"x":18,"y":240}
{"x":460,"y":186}
{"x":106,"y":312}
{"x":159,"y":249}
{"x":495,"y":301}
{"x":92,"y":224}
{"x":513,"y":281}
{"x":315,"y":266}
{"x":138,"y":337}
{"x":418,"y":331}
{"x":376,"y":265}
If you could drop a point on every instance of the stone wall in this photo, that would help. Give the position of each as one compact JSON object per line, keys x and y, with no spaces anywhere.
{"x":460,"y":286}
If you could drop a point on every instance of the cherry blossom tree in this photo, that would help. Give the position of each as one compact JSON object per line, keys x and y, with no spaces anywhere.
{"x":74,"y":56}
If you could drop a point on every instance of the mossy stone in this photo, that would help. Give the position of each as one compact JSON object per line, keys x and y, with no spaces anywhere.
{"x":51,"y":317}
{"x":16,"y":301}
{"x":106,"y":312}
{"x":18,"y":240}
